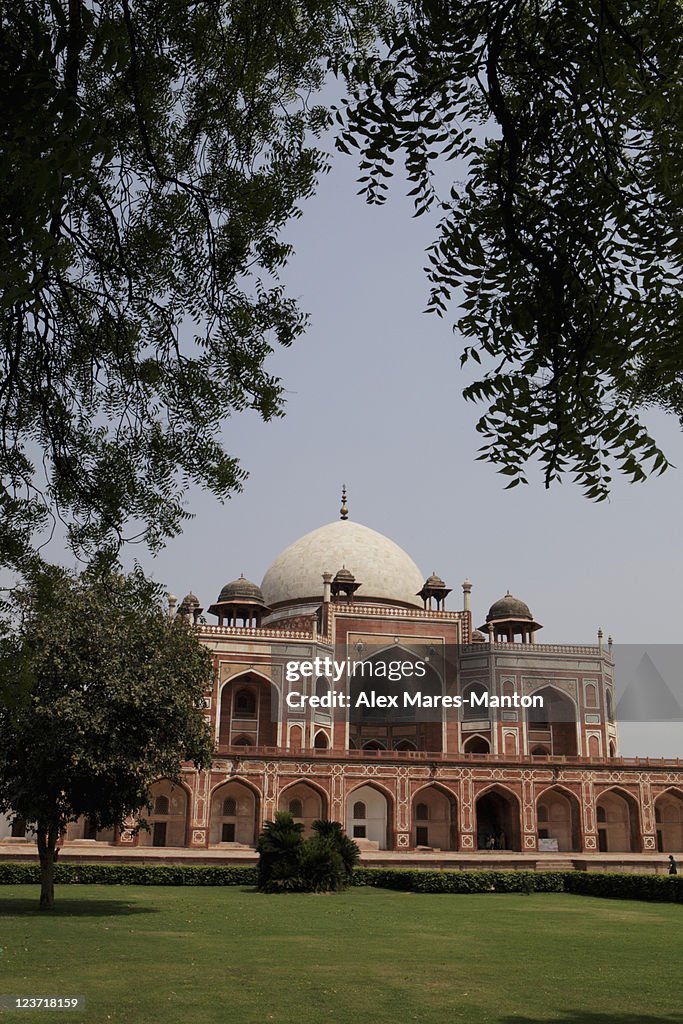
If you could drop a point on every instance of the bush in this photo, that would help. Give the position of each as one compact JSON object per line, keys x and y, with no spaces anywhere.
{"x":288,"y":863}
{"x":660,"y":888}
{"x":321,"y":867}
{"x":417,"y":880}
{"x":130,"y":874}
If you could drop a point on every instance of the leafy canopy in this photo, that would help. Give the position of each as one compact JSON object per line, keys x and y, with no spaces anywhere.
{"x":561,"y":244}
{"x":152,"y":151}
{"x":115,"y":700}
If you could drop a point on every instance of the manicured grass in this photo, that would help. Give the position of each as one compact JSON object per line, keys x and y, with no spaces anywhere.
{"x":231,"y":956}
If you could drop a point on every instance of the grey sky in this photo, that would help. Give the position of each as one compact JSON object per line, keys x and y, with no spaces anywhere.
{"x":373,"y":400}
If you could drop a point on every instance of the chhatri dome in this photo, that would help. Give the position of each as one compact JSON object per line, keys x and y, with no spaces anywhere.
{"x":383,"y":570}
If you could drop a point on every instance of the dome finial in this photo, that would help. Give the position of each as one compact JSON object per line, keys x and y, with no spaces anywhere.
{"x":344,"y":511}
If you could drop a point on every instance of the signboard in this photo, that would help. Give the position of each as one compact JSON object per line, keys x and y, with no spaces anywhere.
{"x":548,"y":846}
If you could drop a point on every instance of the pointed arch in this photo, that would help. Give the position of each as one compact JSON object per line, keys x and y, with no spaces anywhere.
{"x":377,"y":825}
{"x":404,"y":744}
{"x":169,"y":825}
{"x":555,"y":724}
{"x":242,"y":826}
{"x":321,"y":740}
{"x":313,"y":802}
{"x":474,"y":711}
{"x":562,"y":817}
{"x":618,"y":816}
{"x":434,"y":818}
{"x":668,"y":807}
{"x":497,"y":812}
{"x":248,"y":706}
{"x":476,"y":744}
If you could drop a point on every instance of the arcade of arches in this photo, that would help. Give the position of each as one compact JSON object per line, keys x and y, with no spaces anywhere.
{"x":436,"y":817}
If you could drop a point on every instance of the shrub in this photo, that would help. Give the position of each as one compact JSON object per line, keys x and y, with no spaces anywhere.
{"x":279,"y":849}
{"x":130,"y":874}
{"x":288,"y":863}
{"x":660,"y":888}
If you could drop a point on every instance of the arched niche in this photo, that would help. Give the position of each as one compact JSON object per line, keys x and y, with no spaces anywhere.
{"x":248,"y":712}
{"x":559,"y":817}
{"x":476,"y":745}
{"x":311,"y":803}
{"x":669,"y":821}
{"x":497,"y":816}
{"x":375,"y":824}
{"x":434,"y":819}
{"x":234,"y":814}
{"x":555,"y":723}
{"x":618,"y":822}
{"x":471,"y":698}
{"x":168,"y":819}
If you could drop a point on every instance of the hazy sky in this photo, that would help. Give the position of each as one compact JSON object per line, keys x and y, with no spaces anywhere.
{"x":374,"y":400}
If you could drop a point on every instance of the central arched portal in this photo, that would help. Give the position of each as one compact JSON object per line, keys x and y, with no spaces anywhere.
{"x":387,"y":675}
{"x":497,"y":816}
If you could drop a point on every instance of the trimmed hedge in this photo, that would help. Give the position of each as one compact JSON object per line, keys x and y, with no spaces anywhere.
{"x":131,"y":874}
{"x":659,"y":888}
{"x":417,"y":880}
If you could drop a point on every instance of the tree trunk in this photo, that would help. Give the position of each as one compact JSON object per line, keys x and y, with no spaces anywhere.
{"x":47,"y":842}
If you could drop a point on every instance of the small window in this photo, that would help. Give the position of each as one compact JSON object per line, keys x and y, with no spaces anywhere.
{"x":296,"y":808}
{"x":228,"y":832}
{"x":359,"y":809}
{"x":161,"y":805}
{"x":242,"y":741}
{"x":543,"y":833}
{"x":422,"y":812}
{"x":229,"y":808}
{"x":422,"y":836}
{"x":19,"y":828}
{"x":320,"y":742}
{"x":540,"y":752}
{"x":322,"y":687}
{"x":245,"y":704}
{"x":359,"y":831}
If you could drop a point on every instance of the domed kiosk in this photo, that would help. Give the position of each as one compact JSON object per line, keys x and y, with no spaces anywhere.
{"x":508,"y":618}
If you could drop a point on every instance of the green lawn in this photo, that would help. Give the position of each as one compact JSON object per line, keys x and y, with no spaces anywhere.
{"x":153,"y":954}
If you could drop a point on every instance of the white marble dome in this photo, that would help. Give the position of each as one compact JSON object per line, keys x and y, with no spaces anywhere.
{"x":385,"y":572}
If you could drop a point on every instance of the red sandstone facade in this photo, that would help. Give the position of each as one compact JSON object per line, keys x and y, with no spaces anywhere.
{"x":470,"y":784}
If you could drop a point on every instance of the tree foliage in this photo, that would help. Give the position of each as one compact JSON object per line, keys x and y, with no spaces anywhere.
{"x":115,"y":700}
{"x":152,"y":151}
{"x":561,"y":244}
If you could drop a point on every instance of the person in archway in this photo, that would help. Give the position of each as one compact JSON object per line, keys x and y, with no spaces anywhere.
{"x":673,"y":866}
